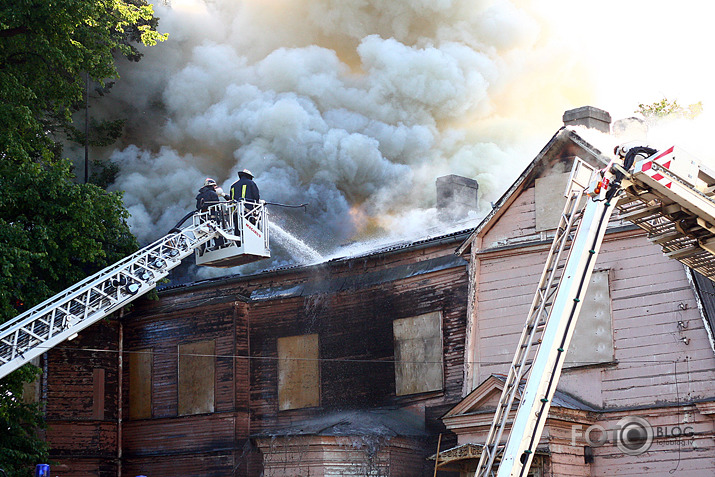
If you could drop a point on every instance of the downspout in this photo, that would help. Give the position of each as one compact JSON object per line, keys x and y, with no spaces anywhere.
{"x":248,"y":368}
{"x":120,"y":400}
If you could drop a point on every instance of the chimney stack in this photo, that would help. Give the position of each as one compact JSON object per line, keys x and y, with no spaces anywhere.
{"x":456,"y":195}
{"x":589,"y":117}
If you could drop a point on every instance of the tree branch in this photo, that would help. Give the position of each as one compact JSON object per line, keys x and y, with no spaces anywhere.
{"x":10,"y":32}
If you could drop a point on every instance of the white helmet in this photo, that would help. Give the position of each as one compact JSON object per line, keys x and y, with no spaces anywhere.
{"x":209,"y":182}
{"x":245,"y":172}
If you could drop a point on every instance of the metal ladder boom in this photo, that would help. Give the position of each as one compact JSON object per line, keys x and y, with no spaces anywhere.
{"x":62,"y":316}
{"x":671,"y":195}
{"x":539,"y":313}
{"x":541,"y":385}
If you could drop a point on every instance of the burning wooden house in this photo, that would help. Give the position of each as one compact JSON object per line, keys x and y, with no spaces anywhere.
{"x":367,"y":365}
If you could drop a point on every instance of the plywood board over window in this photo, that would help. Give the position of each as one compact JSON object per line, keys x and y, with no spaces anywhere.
{"x":592,"y":341}
{"x":298,"y":372}
{"x":418,"y":354}
{"x":197,"y":377}
{"x":549,"y":199}
{"x":140,"y":378}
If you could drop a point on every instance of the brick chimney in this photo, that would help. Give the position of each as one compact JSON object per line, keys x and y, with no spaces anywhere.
{"x":589,"y":117}
{"x":456,"y":195}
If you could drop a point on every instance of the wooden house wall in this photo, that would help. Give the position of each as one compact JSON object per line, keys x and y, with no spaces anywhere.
{"x":663,"y":362}
{"x":518,"y":221}
{"x":206,"y":441}
{"x":356,"y":343}
{"x":353,"y":324}
{"x":82,"y":420}
{"x":689,"y":454}
{"x":656,"y":359}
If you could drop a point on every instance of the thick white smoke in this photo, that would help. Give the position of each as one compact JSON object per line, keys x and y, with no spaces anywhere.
{"x":353,"y":106}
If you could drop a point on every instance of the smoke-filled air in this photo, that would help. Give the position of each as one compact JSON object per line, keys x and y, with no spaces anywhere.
{"x":353,"y":107}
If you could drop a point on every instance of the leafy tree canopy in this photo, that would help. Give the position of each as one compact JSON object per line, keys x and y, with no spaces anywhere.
{"x":46,"y":48}
{"x":53,"y":231}
{"x":669,"y":109}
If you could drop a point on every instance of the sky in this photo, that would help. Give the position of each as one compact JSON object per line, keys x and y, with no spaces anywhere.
{"x":639,"y":51}
{"x":356,"y":106}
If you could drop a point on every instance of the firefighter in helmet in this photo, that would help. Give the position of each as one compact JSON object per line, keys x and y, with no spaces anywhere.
{"x":208,"y":195}
{"x":244,"y":189}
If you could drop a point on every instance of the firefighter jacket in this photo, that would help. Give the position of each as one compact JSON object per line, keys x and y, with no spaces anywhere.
{"x":245,"y":189}
{"x":207,"y":196}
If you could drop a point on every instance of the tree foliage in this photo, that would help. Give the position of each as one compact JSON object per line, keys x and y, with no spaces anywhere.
{"x":53,"y":231}
{"x":669,"y":109}
{"x":20,"y":449}
{"x":46,"y":48}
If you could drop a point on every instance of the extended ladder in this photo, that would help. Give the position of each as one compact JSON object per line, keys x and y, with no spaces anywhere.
{"x":540,"y":311}
{"x":62,"y":316}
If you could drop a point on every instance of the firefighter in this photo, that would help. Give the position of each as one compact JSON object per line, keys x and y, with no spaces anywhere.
{"x":244,"y":189}
{"x":207,"y":195}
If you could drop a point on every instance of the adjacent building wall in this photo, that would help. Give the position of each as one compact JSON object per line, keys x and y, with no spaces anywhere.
{"x":662,"y":367}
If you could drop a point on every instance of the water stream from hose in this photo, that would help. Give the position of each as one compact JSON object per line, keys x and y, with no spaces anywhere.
{"x":298,"y":249}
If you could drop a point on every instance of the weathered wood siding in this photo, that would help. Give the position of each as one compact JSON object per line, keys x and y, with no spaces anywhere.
{"x":356,"y":343}
{"x":81,"y":408}
{"x":650,"y":296}
{"x":356,"y":349}
{"x":663,"y":362}
{"x":203,"y":441}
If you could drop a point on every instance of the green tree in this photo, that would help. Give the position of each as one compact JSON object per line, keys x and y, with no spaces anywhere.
{"x":53,"y":231}
{"x":669,"y":109}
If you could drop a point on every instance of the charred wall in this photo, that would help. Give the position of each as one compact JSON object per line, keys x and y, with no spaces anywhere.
{"x":350,"y":305}
{"x":357,"y":349}
{"x":210,"y":439}
{"x":80,"y":402}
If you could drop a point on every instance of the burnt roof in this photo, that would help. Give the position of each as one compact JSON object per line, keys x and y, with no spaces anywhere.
{"x":454,"y":238}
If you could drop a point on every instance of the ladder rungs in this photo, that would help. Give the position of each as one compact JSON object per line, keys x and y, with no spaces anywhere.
{"x":553,"y":285}
{"x":540,"y":324}
{"x":683,"y":252}
{"x":667,"y":237}
{"x":537,"y":342}
{"x":640,"y":213}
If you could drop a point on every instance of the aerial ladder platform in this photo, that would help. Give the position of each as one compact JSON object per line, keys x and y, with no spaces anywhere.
{"x":671,"y":196}
{"x":227,"y":234}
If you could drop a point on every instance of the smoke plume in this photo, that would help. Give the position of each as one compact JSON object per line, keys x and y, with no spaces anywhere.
{"x":354,"y":107}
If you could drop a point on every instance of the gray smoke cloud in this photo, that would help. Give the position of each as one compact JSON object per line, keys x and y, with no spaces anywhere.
{"x":354,"y":107}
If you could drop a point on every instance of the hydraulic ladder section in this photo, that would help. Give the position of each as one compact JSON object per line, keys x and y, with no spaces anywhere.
{"x":540,"y":311}
{"x":671,"y":196}
{"x":61,"y":317}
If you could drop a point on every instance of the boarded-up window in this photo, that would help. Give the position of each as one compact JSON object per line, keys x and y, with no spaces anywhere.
{"x":197,"y":377}
{"x":140,"y":371}
{"x":418,"y":354}
{"x":592,"y":341}
{"x":549,"y":200}
{"x":298,"y":372}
